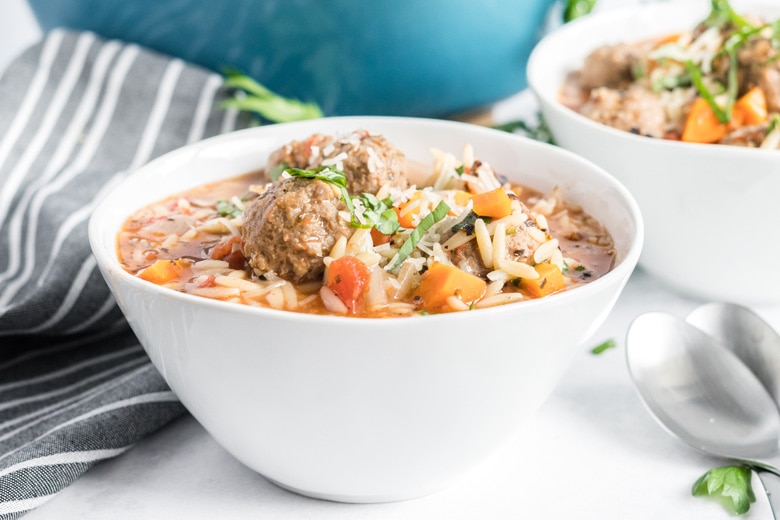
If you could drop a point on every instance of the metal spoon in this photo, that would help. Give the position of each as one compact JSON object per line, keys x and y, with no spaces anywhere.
{"x":747,"y":335}
{"x":703,"y":394}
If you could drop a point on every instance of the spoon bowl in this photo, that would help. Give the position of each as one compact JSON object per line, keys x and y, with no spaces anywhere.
{"x":747,"y":335}
{"x":699,"y":390}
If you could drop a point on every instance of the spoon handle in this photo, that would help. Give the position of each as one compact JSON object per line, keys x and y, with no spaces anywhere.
{"x":771,"y":482}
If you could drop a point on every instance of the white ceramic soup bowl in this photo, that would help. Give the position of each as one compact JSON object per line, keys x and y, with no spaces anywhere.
{"x":365,"y":410}
{"x":711,"y":211}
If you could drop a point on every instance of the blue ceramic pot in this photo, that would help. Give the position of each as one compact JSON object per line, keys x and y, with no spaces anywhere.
{"x":400,"y":57}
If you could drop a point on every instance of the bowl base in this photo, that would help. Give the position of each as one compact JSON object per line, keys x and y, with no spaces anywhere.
{"x":361,"y":499}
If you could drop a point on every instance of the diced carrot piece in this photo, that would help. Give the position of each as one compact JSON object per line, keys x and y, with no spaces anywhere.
{"x":494,"y":204}
{"x":348,"y":278}
{"x":550,"y":281}
{"x":669,"y":38}
{"x":441,"y":281}
{"x":163,"y":271}
{"x":701,"y":125}
{"x":461,"y":198}
{"x":407,"y":210}
{"x":379,"y":238}
{"x":750,"y":109}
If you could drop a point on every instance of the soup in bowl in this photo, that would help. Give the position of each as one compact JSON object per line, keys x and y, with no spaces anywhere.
{"x":365,"y":399}
{"x":708,"y":201}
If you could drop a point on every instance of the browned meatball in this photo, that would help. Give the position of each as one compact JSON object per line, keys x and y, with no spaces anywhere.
{"x":634,"y":110}
{"x":291,"y":227}
{"x":751,"y":136}
{"x":759,"y":66}
{"x":611,"y":66}
{"x":368,"y":160}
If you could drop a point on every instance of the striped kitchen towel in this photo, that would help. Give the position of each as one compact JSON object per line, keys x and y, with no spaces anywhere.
{"x":77,"y":114}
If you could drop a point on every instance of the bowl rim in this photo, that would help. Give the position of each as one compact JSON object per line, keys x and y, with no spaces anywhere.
{"x":598,"y":23}
{"x":622,"y":271}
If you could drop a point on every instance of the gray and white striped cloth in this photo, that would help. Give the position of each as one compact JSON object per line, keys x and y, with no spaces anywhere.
{"x":77,"y":113}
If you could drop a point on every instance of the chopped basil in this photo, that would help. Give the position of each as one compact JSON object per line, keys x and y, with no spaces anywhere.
{"x":774,"y":123}
{"x":467,"y":224}
{"x":378,"y":214}
{"x":225,"y":208}
{"x":723,"y":14}
{"x":540,"y":132}
{"x":577,"y":8}
{"x":276,"y":172}
{"x":258,"y":99}
{"x":730,"y":485}
{"x":602,"y":347}
{"x":322,"y":173}
{"x":723,"y":115}
{"x":438,"y":213}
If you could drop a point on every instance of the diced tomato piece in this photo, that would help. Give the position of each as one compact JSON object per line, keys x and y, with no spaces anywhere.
{"x":348,"y":278}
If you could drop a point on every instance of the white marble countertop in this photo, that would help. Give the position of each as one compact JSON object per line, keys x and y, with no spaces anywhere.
{"x":591,"y":452}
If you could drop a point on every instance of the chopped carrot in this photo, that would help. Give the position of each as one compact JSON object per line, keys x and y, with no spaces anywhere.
{"x":441,"y":281}
{"x":348,"y":278}
{"x":163,"y":271}
{"x":407,"y":210}
{"x":669,"y":38}
{"x":461,"y":198}
{"x":750,"y":109}
{"x":379,"y":238}
{"x":494,"y":204}
{"x":550,"y":280}
{"x":702,"y":125}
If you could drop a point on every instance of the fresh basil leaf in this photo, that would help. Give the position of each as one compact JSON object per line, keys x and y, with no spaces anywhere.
{"x":602,"y":347}
{"x":774,"y":124}
{"x":258,"y":99}
{"x":577,"y":8}
{"x":723,"y":115}
{"x":276,"y":172}
{"x":438,"y":213}
{"x":467,"y":224}
{"x":377,"y":213}
{"x":540,"y":132}
{"x":225,"y":208}
{"x":322,"y":173}
{"x":729,"y":485}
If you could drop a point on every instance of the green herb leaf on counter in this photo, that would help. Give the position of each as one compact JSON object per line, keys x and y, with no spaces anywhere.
{"x":257,"y":99}
{"x":576,"y":8}
{"x":540,"y":132}
{"x":729,"y":485}
{"x":602,"y":347}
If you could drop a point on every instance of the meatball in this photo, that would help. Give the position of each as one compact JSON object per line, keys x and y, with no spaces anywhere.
{"x":368,"y":160}
{"x":759,"y":66}
{"x":634,"y":110}
{"x":291,"y":227}
{"x":467,"y":258}
{"x":611,"y":66}
{"x":751,"y":136}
